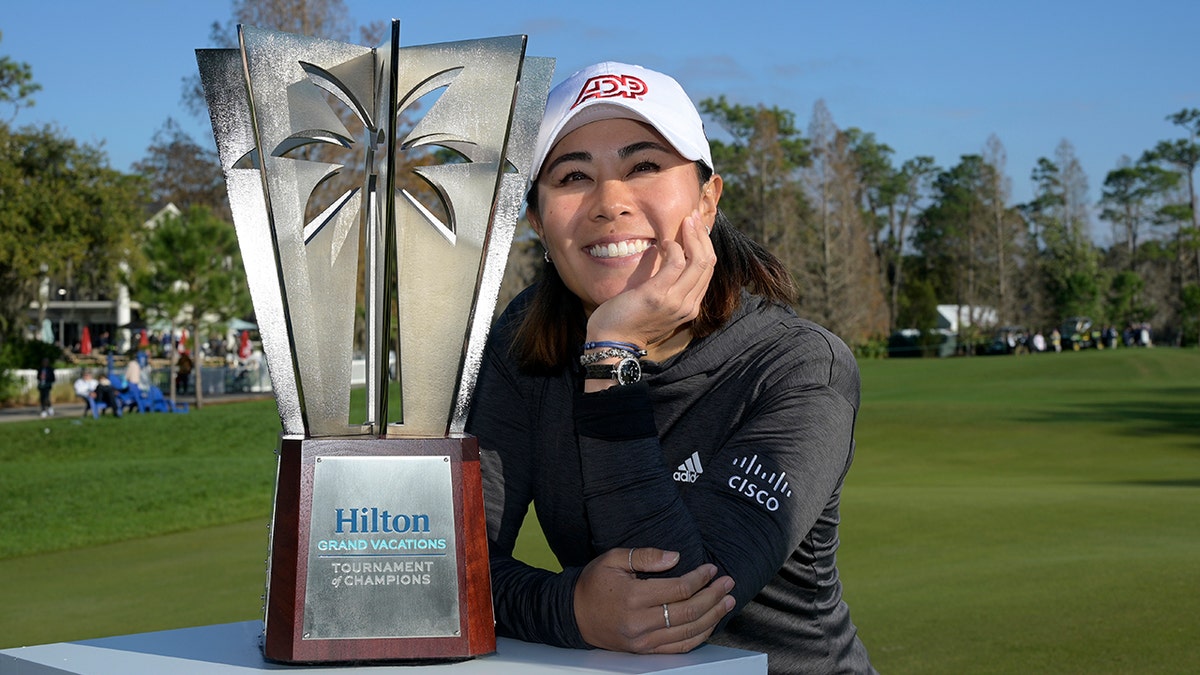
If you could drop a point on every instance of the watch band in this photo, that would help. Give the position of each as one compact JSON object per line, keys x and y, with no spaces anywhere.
{"x":593,"y":357}
{"x":605,"y":344}
{"x":626,"y":371}
{"x":600,"y":371}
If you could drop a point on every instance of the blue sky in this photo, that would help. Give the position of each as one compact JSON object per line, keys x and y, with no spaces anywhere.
{"x":933,"y":78}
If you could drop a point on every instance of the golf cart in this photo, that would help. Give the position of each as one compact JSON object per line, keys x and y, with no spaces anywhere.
{"x":1078,"y":333}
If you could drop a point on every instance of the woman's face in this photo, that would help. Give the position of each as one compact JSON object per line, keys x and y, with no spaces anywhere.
{"x":608,"y":193}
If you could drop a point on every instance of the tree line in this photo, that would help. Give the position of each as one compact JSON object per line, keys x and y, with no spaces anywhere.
{"x":875,"y":242}
{"x":74,"y":228}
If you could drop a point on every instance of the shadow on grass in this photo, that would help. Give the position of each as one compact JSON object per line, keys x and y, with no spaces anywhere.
{"x":1167,"y":411}
{"x":1182,"y":482}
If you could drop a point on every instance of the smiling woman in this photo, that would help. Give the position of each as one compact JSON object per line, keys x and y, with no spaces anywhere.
{"x":681,"y":433}
{"x":610,"y":216}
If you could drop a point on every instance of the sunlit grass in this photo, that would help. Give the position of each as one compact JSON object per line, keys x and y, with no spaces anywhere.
{"x":1003,"y":515}
{"x":1027,"y":514}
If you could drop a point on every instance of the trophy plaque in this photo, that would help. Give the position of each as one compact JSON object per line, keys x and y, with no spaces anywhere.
{"x":378,"y":547}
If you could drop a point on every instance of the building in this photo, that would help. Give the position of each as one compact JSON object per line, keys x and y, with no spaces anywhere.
{"x":956,"y":317}
{"x":60,"y":314}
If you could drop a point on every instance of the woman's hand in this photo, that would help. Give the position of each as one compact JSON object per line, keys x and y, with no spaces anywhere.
{"x":616,"y":610}
{"x":669,"y":299}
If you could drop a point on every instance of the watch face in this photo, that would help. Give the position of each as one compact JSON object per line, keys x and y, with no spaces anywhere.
{"x":629,"y":370}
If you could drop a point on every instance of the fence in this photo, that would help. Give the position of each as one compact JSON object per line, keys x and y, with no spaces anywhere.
{"x":214,"y":380}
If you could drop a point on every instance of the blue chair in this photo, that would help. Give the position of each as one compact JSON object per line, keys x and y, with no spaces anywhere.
{"x":160,"y":403}
{"x":134,"y":397}
{"x":93,"y":406}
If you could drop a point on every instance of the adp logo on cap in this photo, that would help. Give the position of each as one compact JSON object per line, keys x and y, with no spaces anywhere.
{"x":611,"y":86}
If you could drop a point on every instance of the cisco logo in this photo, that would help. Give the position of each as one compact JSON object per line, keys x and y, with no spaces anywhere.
{"x":756,"y":482}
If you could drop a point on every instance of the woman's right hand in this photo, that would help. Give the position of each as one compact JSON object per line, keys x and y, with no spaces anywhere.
{"x":618,"y":611}
{"x":669,"y":299}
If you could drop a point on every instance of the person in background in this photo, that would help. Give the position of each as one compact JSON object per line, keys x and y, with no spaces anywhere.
{"x":107,"y":393}
{"x":45,"y":384}
{"x":183,"y":370}
{"x":1039,"y":342}
{"x":85,"y":388}
{"x":133,"y":373}
{"x":145,"y":369}
{"x":682,"y":434}
{"x":88,"y":388}
{"x":104,"y":344}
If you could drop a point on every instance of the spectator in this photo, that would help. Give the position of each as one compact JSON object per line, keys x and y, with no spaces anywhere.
{"x":183,"y":371}
{"x":45,"y":383}
{"x":133,"y":373}
{"x":85,"y":388}
{"x":89,"y":389}
{"x":1109,"y":335}
{"x":1039,"y":342}
{"x":104,"y":344}
{"x":107,"y":394}
{"x":143,"y":360}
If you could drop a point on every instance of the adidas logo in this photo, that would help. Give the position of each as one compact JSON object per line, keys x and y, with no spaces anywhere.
{"x":690,"y":470}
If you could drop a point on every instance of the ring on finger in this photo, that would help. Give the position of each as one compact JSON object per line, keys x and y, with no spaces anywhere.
{"x":631,"y":570}
{"x":666,"y":615}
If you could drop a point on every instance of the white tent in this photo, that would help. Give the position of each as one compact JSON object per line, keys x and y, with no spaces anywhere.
{"x":956,"y":317}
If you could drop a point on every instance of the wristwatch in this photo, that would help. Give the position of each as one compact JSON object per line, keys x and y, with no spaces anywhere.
{"x":626,"y":371}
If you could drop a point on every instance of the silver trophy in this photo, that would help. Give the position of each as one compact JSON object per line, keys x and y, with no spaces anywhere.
{"x":378,"y":546}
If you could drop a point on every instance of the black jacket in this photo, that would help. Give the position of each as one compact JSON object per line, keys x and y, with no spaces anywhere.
{"x":732,"y":452}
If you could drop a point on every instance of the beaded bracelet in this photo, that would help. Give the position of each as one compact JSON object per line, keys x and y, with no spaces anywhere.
{"x":596,"y":357}
{"x":627,"y":346}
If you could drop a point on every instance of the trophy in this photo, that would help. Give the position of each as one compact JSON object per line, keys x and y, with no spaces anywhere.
{"x":378,"y":548}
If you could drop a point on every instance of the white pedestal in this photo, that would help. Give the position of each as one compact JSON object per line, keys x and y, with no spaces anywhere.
{"x":234,"y":648}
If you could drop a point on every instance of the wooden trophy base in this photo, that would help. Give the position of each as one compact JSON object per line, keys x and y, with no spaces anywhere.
{"x":378,"y":552}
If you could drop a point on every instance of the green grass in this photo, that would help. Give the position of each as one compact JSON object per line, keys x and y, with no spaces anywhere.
{"x":69,"y":482}
{"x":1035,"y":514}
{"x":1004,"y":515}
{"x":195,"y":578}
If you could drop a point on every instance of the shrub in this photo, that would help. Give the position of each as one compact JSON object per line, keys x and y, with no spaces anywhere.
{"x":18,"y":354}
{"x":29,"y":353}
{"x":874,"y":347}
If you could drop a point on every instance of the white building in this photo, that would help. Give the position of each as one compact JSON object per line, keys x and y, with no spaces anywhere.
{"x":60,"y":313}
{"x":956,"y":317}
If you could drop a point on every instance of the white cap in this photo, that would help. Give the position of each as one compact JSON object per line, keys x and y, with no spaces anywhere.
{"x":613,"y":90}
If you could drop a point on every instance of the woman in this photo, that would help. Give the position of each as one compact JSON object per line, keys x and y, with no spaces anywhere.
{"x":682,"y":434}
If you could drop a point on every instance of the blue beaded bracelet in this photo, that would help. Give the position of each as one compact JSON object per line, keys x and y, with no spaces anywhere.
{"x":609,"y":344}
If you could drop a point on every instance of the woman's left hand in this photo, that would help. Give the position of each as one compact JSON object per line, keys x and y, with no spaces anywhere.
{"x":616,"y":610}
